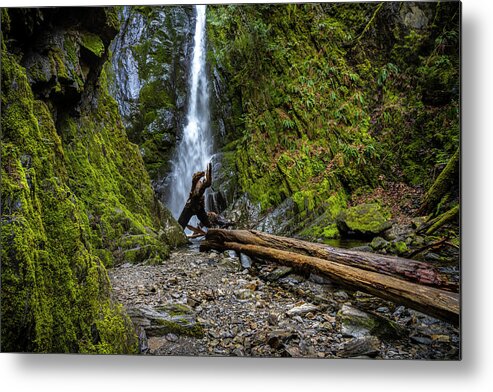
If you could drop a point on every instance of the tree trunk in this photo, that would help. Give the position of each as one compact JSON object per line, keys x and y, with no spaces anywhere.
{"x":411,"y":270}
{"x":441,"y":220}
{"x":442,"y":184}
{"x":437,"y":303}
{"x":195,"y":204}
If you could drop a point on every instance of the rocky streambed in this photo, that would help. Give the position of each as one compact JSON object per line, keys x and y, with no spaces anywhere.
{"x":218,"y":304}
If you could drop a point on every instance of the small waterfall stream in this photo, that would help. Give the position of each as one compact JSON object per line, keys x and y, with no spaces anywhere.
{"x":195,"y":148}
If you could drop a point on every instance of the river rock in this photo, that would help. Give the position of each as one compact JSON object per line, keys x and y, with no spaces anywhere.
{"x":365,"y":345}
{"x":357,"y":323}
{"x":279,"y":273}
{"x":246,"y":261}
{"x":378,"y":243}
{"x":301,"y":310}
{"x":172,"y":318}
{"x":277,"y":338}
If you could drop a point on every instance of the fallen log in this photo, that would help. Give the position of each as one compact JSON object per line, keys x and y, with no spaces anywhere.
{"x":432,"y":301}
{"x":411,"y":270}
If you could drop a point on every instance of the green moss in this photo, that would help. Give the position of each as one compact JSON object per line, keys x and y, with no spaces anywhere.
{"x":93,"y":43}
{"x":364,"y":219}
{"x":399,"y":247}
{"x":112,"y":19}
{"x":178,"y":328}
{"x":70,"y":192}
{"x":181,"y":321}
{"x":345,"y":96}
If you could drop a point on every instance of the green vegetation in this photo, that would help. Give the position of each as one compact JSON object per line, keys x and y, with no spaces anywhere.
{"x":327,"y":99}
{"x":322,"y":105}
{"x":93,"y":43}
{"x":74,"y":191}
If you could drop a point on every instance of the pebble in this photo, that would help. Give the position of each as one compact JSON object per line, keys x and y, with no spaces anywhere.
{"x":301,"y":310}
{"x":256,"y":312}
{"x":171,"y":337}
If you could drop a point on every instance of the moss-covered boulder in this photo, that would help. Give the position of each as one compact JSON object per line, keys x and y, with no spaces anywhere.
{"x":364,"y":220}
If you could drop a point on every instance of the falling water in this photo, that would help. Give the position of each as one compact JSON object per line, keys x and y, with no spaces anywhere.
{"x":195,"y":148}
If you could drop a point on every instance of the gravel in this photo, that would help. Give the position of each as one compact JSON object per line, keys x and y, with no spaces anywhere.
{"x":266,"y":311}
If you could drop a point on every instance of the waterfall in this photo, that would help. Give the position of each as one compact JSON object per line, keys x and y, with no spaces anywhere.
{"x":195,"y":148}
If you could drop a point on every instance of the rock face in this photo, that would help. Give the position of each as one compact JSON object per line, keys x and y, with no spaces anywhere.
{"x":306,"y":129}
{"x":149,"y":81}
{"x":75,"y":194}
{"x":127,"y":82}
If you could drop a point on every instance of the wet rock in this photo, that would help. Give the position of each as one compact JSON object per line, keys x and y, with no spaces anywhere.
{"x":341,"y":295}
{"x":278,"y":338}
{"x":441,"y":338}
{"x":319,"y":279}
{"x":143,"y":343}
{"x":365,"y":345}
{"x":355,"y":322}
{"x":421,"y":340}
{"x":378,"y":243}
{"x":292,"y":279}
{"x":414,"y":17}
{"x":278,"y":220}
{"x":279,"y":273}
{"x":229,"y":263}
{"x":430,"y":256}
{"x":294,"y":352}
{"x":171,"y":337}
{"x":398,"y":232}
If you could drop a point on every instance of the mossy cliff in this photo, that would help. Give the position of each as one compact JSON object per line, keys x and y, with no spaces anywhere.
{"x":322,"y":101}
{"x":76,"y":197}
{"x":149,"y":80}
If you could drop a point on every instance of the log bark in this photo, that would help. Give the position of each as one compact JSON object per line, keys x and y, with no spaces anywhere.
{"x":437,"y":303}
{"x":410,"y":270}
{"x":195,"y":204}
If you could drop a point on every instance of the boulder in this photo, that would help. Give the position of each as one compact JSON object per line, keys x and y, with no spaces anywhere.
{"x":178,"y":319}
{"x":357,"y":323}
{"x":365,"y":220}
{"x":378,"y":243}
